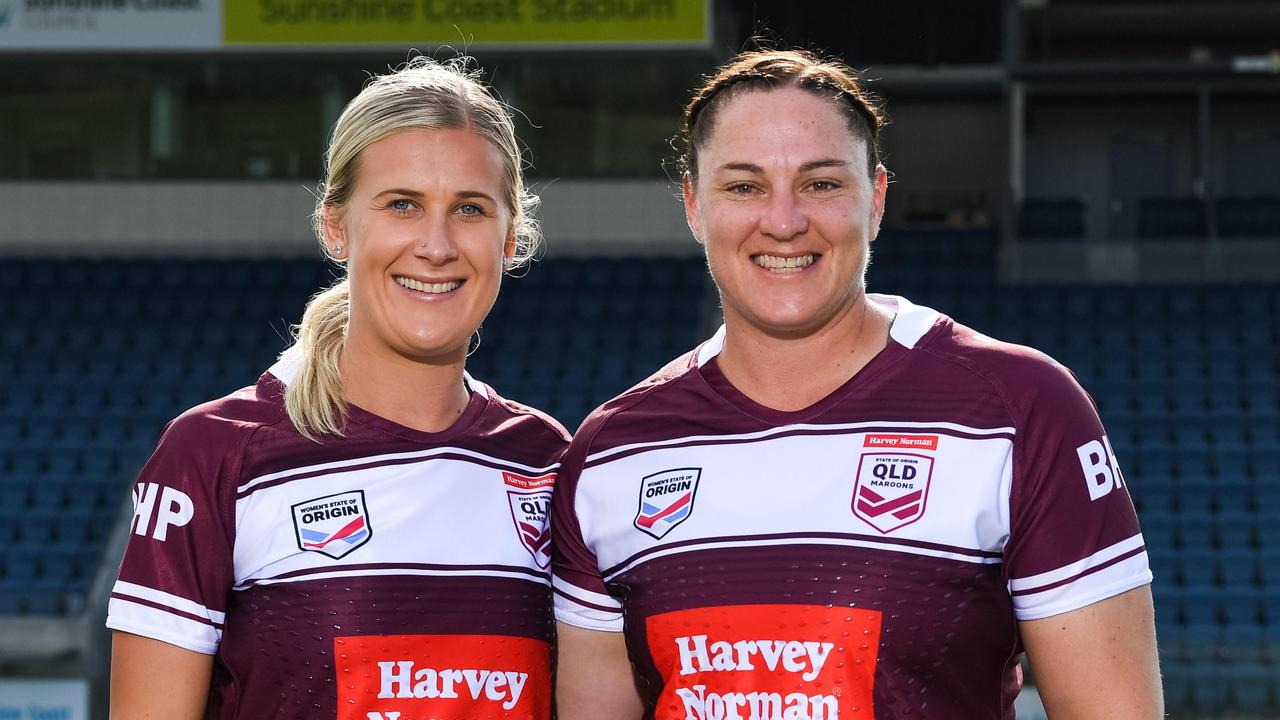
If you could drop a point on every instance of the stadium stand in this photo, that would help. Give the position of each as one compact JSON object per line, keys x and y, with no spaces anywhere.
{"x":1187,"y":379}
{"x":1248,"y":216}
{"x":1052,"y":219}
{"x":1163,"y":218}
{"x":101,"y":354}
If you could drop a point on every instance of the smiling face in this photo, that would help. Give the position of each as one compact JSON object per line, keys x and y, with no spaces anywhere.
{"x":787,"y":213}
{"x":424,"y":233}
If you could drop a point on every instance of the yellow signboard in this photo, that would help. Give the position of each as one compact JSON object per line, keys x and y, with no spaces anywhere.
{"x":466,"y":23}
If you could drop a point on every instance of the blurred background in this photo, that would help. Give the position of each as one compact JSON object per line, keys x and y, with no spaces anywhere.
{"x":1100,"y":179}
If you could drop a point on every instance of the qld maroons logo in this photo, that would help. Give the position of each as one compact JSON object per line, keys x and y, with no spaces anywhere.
{"x":666,"y":500}
{"x":333,"y":525}
{"x":530,"y":502}
{"x":892,"y":488}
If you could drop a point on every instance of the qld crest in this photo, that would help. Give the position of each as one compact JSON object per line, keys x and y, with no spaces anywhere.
{"x":530,"y":503}
{"x":666,"y":500}
{"x":333,"y":525}
{"x":892,"y":489}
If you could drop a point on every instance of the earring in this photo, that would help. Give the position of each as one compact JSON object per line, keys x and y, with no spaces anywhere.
{"x":337,"y":249}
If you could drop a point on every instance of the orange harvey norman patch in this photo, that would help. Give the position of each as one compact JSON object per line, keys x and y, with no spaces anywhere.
{"x":442,"y":677}
{"x":766,"y":662}
{"x":915,"y":442}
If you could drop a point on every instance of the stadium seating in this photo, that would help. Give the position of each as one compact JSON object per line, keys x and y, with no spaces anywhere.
{"x":92,"y":377}
{"x":1052,"y":219}
{"x":1187,"y":380}
{"x":1161,"y":218}
{"x":1248,"y":216}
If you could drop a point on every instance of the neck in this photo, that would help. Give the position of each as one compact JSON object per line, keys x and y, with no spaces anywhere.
{"x":791,"y":373}
{"x":424,"y":396}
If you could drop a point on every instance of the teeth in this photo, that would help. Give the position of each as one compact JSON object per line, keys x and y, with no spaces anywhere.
{"x":773,"y":263}
{"x":432,"y":288}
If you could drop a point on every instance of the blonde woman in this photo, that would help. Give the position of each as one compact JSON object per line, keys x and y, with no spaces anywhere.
{"x":361,"y":534}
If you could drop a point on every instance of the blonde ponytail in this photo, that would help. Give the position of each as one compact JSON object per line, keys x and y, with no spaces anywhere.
{"x":314,"y":398}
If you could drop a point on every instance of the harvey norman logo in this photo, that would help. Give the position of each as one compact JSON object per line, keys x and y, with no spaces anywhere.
{"x":766,"y":662}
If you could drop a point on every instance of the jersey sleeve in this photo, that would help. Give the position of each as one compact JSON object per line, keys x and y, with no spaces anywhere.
{"x":1074,"y":537}
{"x":581,"y":598}
{"x":177,"y":570}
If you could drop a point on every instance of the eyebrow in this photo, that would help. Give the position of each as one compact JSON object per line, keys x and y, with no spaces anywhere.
{"x":806,"y":167}
{"x":415,"y":194}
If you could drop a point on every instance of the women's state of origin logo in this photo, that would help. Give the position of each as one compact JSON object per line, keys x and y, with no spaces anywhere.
{"x":666,"y":500}
{"x":892,"y":488}
{"x":333,"y":525}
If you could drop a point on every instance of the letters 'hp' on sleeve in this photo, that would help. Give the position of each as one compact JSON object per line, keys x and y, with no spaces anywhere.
{"x":581,"y":598}
{"x":177,"y":569}
{"x":1074,"y":537}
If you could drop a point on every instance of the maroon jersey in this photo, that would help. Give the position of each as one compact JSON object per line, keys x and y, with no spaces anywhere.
{"x":867,"y":557}
{"x":388,"y":574}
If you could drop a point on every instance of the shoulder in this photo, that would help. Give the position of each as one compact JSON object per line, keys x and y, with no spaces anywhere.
{"x":1023,"y":376}
{"x":519,"y":417}
{"x":231,"y":419}
{"x":642,"y":411}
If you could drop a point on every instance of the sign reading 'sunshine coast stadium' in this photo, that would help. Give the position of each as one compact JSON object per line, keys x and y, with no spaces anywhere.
{"x":211,"y":25}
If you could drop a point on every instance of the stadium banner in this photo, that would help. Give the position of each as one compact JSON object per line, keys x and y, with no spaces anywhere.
{"x":336,"y":25}
{"x":42,"y":699}
{"x":93,"y":25}
{"x":549,"y":24}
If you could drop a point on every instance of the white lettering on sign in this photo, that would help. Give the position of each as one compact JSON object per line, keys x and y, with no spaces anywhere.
{"x":400,"y":679}
{"x":698,"y":655}
{"x":702,"y":705}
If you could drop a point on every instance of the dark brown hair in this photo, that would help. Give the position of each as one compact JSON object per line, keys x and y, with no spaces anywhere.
{"x":772,"y":69}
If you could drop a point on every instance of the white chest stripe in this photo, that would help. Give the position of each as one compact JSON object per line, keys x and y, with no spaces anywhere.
{"x":841,"y":428}
{"x":392,"y":457}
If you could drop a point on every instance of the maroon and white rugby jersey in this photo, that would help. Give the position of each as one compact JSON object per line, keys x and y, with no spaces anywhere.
{"x":393,"y":574}
{"x":867,"y":557}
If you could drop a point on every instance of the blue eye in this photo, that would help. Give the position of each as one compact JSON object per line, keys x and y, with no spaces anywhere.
{"x":470,"y":209}
{"x":401,"y":206}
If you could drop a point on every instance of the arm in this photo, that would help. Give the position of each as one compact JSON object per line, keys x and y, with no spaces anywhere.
{"x":594,"y":678}
{"x":1099,"y":661}
{"x":153,"y":679}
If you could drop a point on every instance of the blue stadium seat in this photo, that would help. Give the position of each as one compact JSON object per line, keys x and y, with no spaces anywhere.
{"x":1209,"y":688}
{"x":1197,"y":564}
{"x":1199,"y":604}
{"x":1171,"y":217}
{"x":1257,"y":216}
{"x":1251,"y":684}
{"x":1052,"y":218}
{"x":1195,"y":530}
{"x":1238,"y":567}
{"x":1235,"y":530}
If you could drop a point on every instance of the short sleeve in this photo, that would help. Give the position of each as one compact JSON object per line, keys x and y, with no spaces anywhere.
{"x":177,"y":570}
{"x":581,"y":598}
{"x":1074,"y":538}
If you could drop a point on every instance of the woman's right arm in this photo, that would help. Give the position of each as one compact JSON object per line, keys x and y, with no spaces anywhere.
{"x":151,"y":679}
{"x":594,"y":678}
